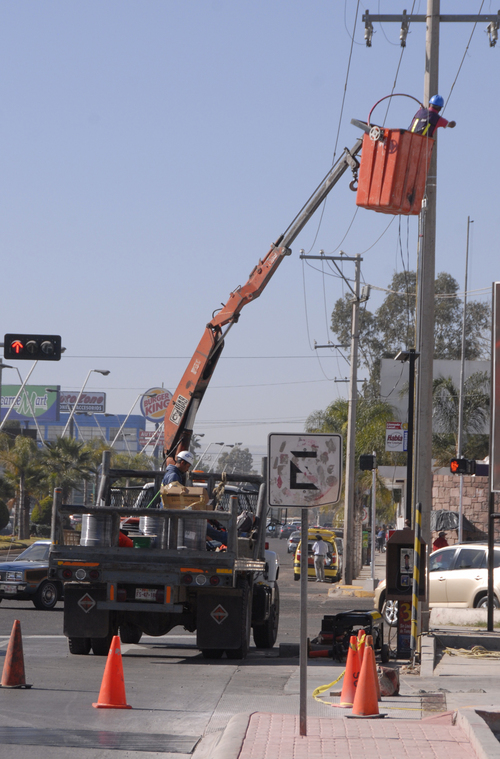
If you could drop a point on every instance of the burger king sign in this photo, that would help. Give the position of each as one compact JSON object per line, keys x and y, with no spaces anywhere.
{"x":154,"y":403}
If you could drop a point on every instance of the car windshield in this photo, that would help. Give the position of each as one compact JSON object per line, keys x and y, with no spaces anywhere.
{"x":36,"y":552}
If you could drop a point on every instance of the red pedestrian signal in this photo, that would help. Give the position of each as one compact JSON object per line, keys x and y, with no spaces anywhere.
{"x":32,"y":347}
{"x":462,"y":466}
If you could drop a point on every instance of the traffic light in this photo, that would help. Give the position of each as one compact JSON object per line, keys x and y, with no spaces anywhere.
{"x":367,"y":462}
{"x":462,"y":466}
{"x":32,"y":347}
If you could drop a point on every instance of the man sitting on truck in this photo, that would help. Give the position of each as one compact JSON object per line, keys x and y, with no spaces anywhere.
{"x":177,"y":472}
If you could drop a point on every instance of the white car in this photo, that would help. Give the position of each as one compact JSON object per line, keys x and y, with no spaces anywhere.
{"x":458,"y":578}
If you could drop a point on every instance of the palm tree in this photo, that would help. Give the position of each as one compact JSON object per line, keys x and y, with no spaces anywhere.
{"x":371,"y":418}
{"x":21,"y":459}
{"x":446,"y":404}
{"x":66,"y":462}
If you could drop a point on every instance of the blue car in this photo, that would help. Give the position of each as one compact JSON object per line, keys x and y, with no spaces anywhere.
{"x":25,"y":578}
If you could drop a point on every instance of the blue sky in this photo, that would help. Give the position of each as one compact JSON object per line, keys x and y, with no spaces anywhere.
{"x":152,"y":151}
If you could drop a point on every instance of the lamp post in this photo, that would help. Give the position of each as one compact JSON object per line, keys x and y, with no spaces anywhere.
{"x":94,"y":416}
{"x":29,"y":403}
{"x":198,"y":463}
{"x":23,"y":385}
{"x":219,"y":455}
{"x":141,"y":395}
{"x":235,"y":445}
{"x":2,"y":367}
{"x":105,"y":373}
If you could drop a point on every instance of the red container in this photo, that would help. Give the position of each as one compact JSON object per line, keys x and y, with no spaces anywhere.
{"x":393,"y":172}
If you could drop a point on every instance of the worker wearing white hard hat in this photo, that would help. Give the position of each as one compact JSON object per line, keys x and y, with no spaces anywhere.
{"x":177,"y":472}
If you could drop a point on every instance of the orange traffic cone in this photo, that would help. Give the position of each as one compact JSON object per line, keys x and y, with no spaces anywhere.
{"x":112,"y":693}
{"x":369,"y":642}
{"x":361,"y":645}
{"x":351,"y":676}
{"x":13,"y":668}
{"x":366,"y":699}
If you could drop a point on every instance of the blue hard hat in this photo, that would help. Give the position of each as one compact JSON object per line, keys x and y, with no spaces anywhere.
{"x":436,"y":100}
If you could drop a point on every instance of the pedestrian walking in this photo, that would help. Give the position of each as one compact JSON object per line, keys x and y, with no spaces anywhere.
{"x":320,"y":550}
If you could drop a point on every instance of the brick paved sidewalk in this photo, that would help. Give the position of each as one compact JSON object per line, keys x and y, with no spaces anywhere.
{"x":276,"y":736}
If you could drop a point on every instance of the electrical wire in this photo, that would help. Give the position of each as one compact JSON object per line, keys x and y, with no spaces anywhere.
{"x":463,"y":58}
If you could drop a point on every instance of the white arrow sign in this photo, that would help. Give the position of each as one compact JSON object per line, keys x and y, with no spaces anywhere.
{"x":304,"y":470}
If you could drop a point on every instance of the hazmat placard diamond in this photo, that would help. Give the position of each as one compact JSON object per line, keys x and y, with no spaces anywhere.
{"x":219,"y":614}
{"x":86,"y":603}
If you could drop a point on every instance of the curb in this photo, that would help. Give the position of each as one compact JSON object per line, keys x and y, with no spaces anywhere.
{"x":352,"y":591}
{"x":481,"y":737}
{"x":231,"y":740}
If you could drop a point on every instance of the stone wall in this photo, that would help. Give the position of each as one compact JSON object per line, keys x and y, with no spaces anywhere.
{"x":446,"y":496}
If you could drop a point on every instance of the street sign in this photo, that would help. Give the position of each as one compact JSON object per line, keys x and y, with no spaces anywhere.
{"x":305,"y":470}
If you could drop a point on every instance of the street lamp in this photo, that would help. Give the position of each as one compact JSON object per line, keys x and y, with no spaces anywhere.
{"x":235,"y":445}
{"x":198,"y":463}
{"x":90,"y":413}
{"x":141,"y":395}
{"x":23,"y":385}
{"x":220,"y":453}
{"x":105,"y":373}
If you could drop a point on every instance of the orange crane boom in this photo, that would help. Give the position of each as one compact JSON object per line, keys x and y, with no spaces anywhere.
{"x":181,"y":412}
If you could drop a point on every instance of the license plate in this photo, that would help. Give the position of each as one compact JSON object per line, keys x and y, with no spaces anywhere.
{"x":145,"y":594}
{"x":9,"y":588}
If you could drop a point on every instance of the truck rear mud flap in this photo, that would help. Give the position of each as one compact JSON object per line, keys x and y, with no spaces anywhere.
{"x":219,"y":617}
{"x":82,"y":618}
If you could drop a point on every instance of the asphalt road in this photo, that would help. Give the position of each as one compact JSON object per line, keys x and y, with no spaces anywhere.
{"x":176,"y":695}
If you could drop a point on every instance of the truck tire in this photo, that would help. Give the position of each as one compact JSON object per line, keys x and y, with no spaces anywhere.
{"x":79,"y":646}
{"x":46,"y":596}
{"x":100,"y":646}
{"x":130,"y":633}
{"x":245,"y":625}
{"x":265,"y":635}
{"x":212,"y":653}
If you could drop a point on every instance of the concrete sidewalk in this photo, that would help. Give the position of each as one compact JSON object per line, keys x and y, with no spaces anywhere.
{"x":458,"y":696}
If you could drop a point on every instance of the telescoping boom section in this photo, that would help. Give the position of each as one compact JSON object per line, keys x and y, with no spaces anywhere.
{"x":182,"y":409}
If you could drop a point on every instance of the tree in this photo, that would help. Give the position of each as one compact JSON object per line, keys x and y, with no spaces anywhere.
{"x":21,"y":459}
{"x":236,"y":461}
{"x":67,"y":462}
{"x":371,"y":418}
{"x":42,"y":513}
{"x":4,"y":515}
{"x":446,"y":405}
{"x":392,"y":327}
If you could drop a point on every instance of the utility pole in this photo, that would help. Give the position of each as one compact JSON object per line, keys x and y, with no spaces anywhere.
{"x":350,"y":470}
{"x":350,"y":463}
{"x":425,"y":339}
{"x":462,"y":386}
{"x":426,"y":264}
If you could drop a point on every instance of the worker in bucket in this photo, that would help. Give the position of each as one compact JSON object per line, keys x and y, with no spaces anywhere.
{"x":427,"y":120}
{"x":177,"y":472}
{"x":320,"y":550}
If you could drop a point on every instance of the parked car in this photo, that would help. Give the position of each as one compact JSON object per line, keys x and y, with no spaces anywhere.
{"x":25,"y":578}
{"x":293,"y":541}
{"x":331,"y":561}
{"x":287,"y":529}
{"x":458,"y":578}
